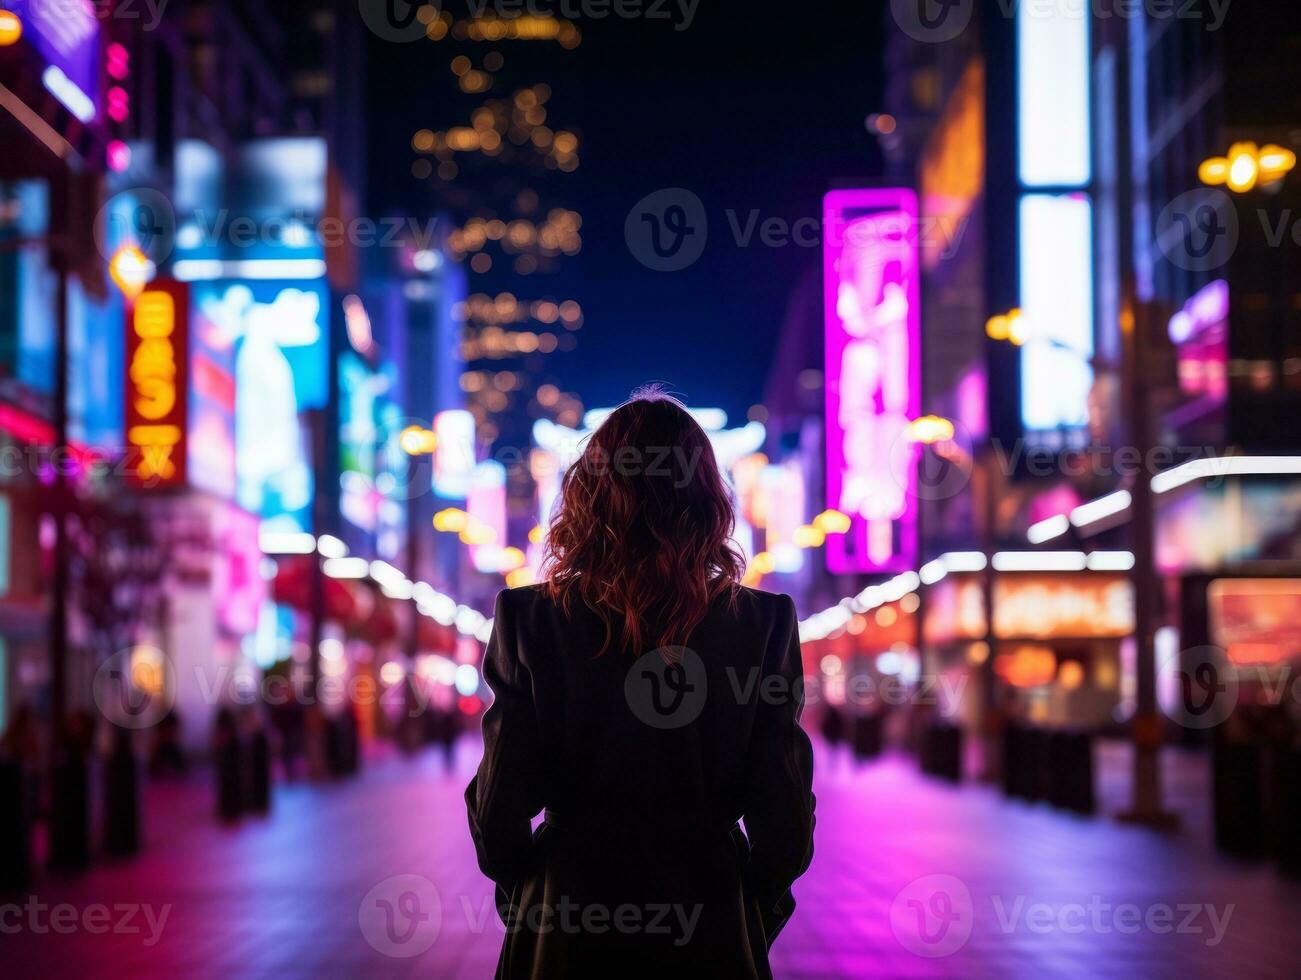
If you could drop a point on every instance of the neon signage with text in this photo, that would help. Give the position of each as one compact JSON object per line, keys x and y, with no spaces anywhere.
{"x":156,"y":347}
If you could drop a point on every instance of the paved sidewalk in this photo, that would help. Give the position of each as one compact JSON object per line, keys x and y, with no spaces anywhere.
{"x":906,"y":868}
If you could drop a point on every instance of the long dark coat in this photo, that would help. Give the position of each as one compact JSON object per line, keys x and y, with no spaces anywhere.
{"x":644,"y":766}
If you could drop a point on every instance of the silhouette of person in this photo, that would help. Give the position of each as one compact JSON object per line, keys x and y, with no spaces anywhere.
{"x":647,"y":703}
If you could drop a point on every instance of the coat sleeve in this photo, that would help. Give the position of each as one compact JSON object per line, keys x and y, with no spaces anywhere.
{"x":504,"y":796}
{"x":779,"y":800}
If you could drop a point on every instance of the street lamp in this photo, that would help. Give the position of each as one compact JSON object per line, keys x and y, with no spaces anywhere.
{"x":1248,"y":165}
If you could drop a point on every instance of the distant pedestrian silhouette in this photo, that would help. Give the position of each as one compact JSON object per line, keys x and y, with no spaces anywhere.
{"x":647,"y":703}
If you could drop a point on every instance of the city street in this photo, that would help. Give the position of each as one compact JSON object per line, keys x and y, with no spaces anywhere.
{"x":570,"y":390}
{"x":1030,"y":892}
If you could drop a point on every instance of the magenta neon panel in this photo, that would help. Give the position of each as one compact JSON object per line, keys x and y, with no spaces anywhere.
{"x":873,"y":376}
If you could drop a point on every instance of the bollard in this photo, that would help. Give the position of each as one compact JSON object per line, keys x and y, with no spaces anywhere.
{"x":1288,"y":809}
{"x":334,"y":747}
{"x":1237,"y":814}
{"x":951,"y":757}
{"x":1039,"y":770}
{"x":1076,"y":771}
{"x":866,"y":736}
{"x":228,"y":767}
{"x":15,"y":827}
{"x":354,"y":746}
{"x":70,"y":812}
{"x":122,"y":797}
{"x":1055,"y":776}
{"x":258,"y":771}
{"x":1014,"y":760}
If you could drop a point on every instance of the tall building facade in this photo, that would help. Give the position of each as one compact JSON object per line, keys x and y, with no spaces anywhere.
{"x":1106,"y":300}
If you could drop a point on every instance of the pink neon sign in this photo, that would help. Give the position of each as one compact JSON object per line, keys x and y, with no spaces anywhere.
{"x":873,"y":376}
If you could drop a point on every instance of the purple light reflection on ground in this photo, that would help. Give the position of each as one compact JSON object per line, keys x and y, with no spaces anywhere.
{"x":280,"y":895}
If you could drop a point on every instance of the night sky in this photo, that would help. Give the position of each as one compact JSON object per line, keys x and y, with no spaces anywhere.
{"x":753,"y":107}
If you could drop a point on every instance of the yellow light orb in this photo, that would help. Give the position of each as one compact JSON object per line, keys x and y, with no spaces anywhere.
{"x":11,"y":28}
{"x":930,"y":429}
{"x":451,"y":520}
{"x":809,"y":536}
{"x":1244,"y":170}
{"x":416,"y":440}
{"x":519,"y":577}
{"x":832,"y":522}
{"x":1275,"y":162}
{"x":130,"y":269}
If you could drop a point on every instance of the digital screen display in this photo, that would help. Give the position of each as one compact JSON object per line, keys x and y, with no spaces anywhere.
{"x":278,"y":332}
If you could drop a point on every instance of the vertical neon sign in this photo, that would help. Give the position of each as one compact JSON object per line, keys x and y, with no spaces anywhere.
{"x":873,"y":376}
{"x":157,"y":421}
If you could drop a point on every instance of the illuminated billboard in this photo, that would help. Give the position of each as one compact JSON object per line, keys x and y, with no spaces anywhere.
{"x":1055,"y":223}
{"x":454,"y":458}
{"x":211,"y":455}
{"x":156,"y":408}
{"x":373,"y":478}
{"x":278,"y":331}
{"x":873,"y":376}
{"x":1056,"y":271}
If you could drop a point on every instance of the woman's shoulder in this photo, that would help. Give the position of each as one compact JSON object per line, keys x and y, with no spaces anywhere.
{"x":775,"y":603}
{"x":758,"y":606}
{"x":528,"y":602}
{"x":524,"y":598}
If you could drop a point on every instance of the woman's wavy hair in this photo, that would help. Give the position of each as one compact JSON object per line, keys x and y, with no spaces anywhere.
{"x":642,"y":533}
